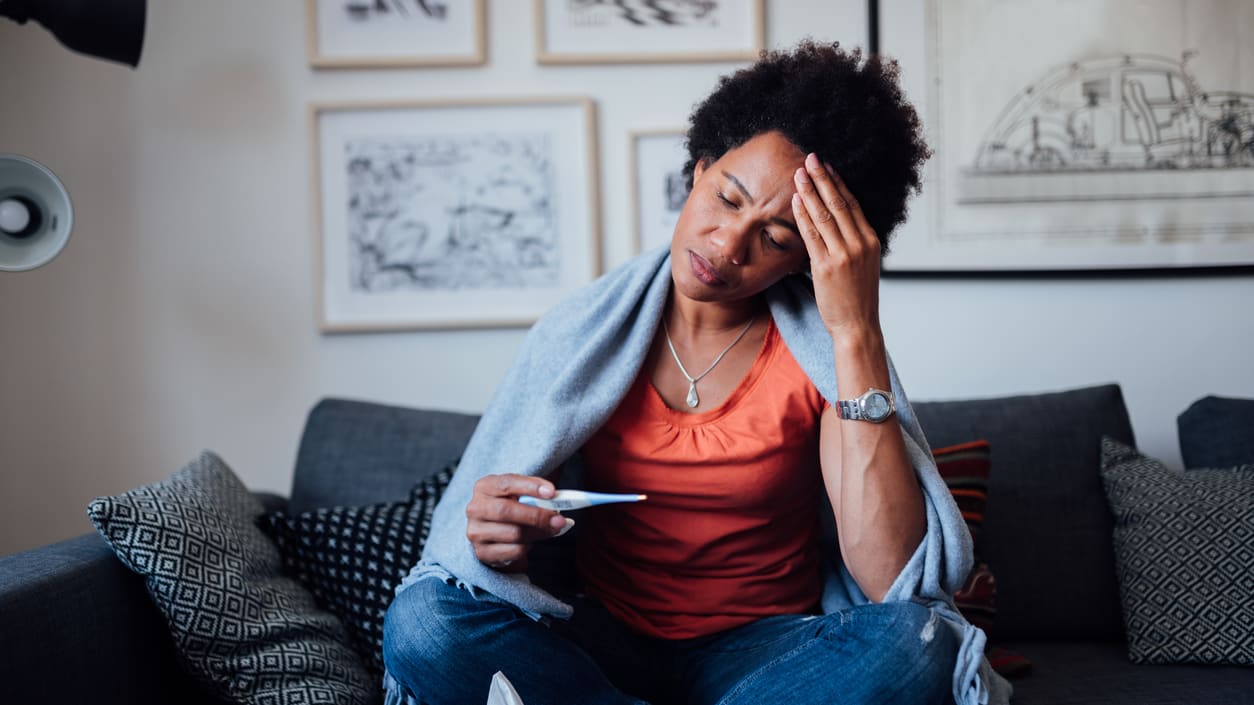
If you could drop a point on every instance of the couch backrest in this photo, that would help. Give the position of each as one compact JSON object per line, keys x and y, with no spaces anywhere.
{"x":1047,"y":528}
{"x":354,"y":453}
{"x":1046,"y":532}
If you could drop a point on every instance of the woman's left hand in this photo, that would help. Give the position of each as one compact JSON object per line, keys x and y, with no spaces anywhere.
{"x":844,"y":250}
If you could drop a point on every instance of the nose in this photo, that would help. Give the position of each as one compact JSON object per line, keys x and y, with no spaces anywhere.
{"x":732,"y":240}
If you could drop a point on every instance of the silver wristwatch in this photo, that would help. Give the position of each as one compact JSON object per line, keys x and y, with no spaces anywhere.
{"x":876,"y":405}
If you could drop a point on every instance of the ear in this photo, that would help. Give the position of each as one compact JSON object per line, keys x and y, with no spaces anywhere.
{"x":699,"y":168}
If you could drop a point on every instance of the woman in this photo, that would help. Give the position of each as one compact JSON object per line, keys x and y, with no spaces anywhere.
{"x":702,"y":378}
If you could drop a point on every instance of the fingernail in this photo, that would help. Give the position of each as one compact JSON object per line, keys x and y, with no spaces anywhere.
{"x":796,"y":199}
{"x":570,"y":524}
{"x":802,"y":176}
{"x":812,"y":160}
{"x":830,"y":170}
{"x":545,"y":491}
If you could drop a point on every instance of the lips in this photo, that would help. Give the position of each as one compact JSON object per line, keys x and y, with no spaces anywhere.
{"x":704,"y":271}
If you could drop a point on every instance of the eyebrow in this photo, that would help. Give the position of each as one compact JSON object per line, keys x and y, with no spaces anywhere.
{"x":741,"y":187}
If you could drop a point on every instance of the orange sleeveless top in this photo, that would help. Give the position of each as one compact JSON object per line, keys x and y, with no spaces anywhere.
{"x":729,"y":533}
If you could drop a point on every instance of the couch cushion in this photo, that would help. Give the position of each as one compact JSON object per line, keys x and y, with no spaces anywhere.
{"x":251,"y":634}
{"x":1047,"y":529}
{"x":352,"y":558}
{"x":354,"y":453}
{"x":1184,"y":552}
{"x":1099,"y":673}
{"x":1217,"y":432}
{"x":964,"y":468}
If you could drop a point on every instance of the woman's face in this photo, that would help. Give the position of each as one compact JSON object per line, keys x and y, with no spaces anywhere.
{"x":736,"y":235}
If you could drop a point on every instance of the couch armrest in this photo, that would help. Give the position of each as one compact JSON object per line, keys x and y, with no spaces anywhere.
{"x":78,"y":626}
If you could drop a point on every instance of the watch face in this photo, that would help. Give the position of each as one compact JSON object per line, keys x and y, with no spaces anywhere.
{"x":877,"y":407}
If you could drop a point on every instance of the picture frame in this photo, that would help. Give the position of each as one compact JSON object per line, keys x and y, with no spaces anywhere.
{"x":1118,"y":142}
{"x":395,"y":33}
{"x":658,"y":187}
{"x":599,"y":32}
{"x":430,"y":214}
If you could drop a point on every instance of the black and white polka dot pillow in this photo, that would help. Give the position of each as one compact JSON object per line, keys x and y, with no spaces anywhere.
{"x":352,"y":558}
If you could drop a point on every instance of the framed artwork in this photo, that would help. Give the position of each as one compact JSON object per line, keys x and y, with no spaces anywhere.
{"x":395,"y":33}
{"x":658,"y":187}
{"x":452,"y":214}
{"x":636,"y":31}
{"x":1116,"y":135}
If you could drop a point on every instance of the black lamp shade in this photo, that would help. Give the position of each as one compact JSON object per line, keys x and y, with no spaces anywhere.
{"x":106,"y":29}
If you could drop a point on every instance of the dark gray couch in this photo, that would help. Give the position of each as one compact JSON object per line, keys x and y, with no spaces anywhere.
{"x":76,"y":626}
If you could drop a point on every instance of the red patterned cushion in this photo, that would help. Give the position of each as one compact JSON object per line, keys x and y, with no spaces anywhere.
{"x":977,"y":598}
{"x":965,"y":468}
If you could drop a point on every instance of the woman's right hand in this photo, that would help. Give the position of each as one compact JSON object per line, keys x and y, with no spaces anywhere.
{"x":501,"y":528}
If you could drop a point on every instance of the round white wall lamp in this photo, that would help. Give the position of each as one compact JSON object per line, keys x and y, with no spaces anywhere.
{"x":35,"y":214}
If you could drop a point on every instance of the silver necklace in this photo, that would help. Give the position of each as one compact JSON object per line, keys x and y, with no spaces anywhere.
{"x":693,"y":400}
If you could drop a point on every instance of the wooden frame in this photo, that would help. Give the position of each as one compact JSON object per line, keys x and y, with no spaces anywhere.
{"x":657,"y":161}
{"x":1044,"y":160}
{"x":448,"y":39}
{"x":431,"y":214}
{"x":599,"y":33}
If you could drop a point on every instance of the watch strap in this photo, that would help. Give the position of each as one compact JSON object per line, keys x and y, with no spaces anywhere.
{"x":852,"y":409}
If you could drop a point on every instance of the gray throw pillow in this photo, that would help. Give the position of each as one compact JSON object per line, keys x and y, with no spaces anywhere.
{"x":1217,"y":432}
{"x":1184,"y":555}
{"x":245,"y":630}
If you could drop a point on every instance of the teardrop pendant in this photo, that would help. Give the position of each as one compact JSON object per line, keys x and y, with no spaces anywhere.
{"x":693,"y":400}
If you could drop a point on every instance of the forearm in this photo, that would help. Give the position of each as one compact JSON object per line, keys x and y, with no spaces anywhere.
{"x":875,"y":496}
{"x":878,"y":505}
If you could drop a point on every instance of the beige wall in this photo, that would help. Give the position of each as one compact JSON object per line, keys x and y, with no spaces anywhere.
{"x":181,"y":316}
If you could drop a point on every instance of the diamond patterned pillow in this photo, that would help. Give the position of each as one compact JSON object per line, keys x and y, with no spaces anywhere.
{"x":352,"y":558}
{"x":1184,"y":555}
{"x":249,"y":633}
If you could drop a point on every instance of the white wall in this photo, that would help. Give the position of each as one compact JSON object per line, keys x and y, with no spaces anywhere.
{"x":181,"y":316}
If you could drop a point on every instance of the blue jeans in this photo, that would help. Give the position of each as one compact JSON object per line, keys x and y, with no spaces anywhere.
{"x":443,"y":645}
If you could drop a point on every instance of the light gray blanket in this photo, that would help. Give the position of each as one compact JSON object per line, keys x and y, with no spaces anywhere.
{"x":575,"y":366}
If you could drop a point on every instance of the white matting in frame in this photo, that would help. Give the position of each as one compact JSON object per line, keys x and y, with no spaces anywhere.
{"x":602,"y":31}
{"x":658,"y":187}
{"x":1115,"y":135}
{"x":453,"y":214}
{"x":385,"y":33}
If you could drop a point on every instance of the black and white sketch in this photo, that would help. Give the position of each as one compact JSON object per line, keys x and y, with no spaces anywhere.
{"x":674,"y":190}
{"x":607,"y":31}
{"x":405,"y":10}
{"x":366,"y":33}
{"x":452,"y":212}
{"x":1125,"y":112}
{"x":658,"y":184}
{"x":1117,"y":134}
{"x":643,"y":13}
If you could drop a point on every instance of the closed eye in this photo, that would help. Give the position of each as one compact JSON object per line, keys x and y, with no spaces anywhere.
{"x":773,"y":243}
{"x":725,"y":201}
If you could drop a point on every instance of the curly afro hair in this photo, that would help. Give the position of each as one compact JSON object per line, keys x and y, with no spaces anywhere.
{"x":848,"y":110}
